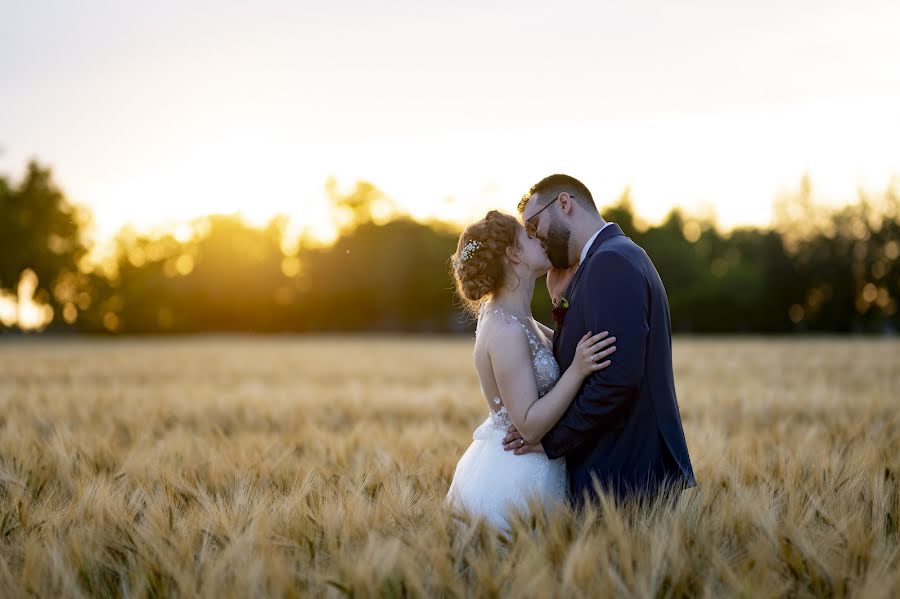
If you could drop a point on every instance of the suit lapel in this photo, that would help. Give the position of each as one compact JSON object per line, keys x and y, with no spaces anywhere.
{"x":611,"y":231}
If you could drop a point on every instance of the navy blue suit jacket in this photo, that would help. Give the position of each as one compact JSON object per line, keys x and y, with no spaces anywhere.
{"x":623,"y":427}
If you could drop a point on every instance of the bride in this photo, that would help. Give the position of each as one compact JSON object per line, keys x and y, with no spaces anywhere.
{"x":495,"y":267}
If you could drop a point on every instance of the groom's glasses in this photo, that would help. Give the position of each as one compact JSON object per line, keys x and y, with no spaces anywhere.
{"x":530,"y":227}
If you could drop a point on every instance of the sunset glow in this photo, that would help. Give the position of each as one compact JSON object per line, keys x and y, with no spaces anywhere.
{"x":159,"y":113}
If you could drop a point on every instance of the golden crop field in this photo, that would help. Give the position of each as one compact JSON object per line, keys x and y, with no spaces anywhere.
{"x":298,"y":466}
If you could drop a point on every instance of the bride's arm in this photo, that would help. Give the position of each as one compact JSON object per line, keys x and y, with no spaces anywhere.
{"x":510,"y":356}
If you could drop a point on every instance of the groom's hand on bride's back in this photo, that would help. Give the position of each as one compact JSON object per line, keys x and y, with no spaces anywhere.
{"x":514,"y":442}
{"x":558,"y":280}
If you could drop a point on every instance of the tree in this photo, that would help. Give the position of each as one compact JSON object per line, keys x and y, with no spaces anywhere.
{"x":42,"y":232}
{"x":364,"y":204}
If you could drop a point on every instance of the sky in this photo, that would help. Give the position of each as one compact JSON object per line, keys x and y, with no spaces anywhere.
{"x":152,"y":113}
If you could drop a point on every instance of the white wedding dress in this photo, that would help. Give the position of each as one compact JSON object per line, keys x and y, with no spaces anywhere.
{"x":488,"y":480}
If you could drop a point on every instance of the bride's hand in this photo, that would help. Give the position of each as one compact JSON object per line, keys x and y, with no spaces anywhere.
{"x":514,"y":442}
{"x":591,"y":351}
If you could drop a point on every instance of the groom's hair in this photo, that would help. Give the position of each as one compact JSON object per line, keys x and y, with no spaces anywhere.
{"x":550,"y":187}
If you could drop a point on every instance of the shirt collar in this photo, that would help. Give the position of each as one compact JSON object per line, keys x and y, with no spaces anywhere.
{"x":590,"y":242}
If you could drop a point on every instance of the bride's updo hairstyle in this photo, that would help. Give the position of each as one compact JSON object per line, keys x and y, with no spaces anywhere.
{"x":480,"y":255}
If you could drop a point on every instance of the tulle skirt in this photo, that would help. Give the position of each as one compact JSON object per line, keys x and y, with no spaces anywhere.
{"x":489,"y":480}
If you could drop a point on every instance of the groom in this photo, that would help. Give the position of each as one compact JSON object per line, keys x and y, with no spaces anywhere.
{"x":623,"y":428}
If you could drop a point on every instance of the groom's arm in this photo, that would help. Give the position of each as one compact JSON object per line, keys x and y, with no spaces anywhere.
{"x":619,"y":304}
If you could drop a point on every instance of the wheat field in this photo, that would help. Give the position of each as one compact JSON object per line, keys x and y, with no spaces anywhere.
{"x":299,"y":466}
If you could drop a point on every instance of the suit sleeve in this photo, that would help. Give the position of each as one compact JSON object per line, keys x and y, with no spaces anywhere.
{"x":620,"y":297}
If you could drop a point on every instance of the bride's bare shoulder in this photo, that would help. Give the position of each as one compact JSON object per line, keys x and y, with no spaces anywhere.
{"x":504,"y":335}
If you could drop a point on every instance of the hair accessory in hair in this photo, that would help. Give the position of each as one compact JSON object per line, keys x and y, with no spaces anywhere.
{"x":466,"y":252}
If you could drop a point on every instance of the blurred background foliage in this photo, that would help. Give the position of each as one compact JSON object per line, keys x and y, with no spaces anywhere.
{"x":815,"y":269}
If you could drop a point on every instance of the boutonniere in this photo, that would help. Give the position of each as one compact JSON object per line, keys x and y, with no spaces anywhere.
{"x":560,"y":307}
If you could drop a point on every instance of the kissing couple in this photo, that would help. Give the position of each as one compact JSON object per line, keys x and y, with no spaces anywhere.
{"x":586,"y":408}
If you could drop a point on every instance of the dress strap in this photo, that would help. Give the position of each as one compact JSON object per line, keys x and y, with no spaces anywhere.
{"x":532,"y":338}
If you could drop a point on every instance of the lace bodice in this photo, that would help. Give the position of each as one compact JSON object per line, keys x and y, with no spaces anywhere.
{"x":546,"y":370}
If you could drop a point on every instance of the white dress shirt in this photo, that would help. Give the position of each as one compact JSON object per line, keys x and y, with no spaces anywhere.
{"x":590,"y":242}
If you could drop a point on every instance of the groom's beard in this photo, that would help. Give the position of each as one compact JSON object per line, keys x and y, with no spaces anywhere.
{"x":557,"y":245}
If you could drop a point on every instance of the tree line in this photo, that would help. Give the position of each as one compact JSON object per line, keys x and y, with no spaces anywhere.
{"x":815,"y":269}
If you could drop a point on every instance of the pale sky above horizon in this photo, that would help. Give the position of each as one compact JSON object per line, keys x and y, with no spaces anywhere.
{"x":155,"y":112}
